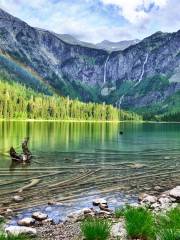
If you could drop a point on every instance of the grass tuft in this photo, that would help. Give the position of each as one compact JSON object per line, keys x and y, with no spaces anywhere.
{"x":12,"y":237}
{"x":168,"y":234}
{"x":96,"y":229}
{"x":119,"y":212}
{"x":139,"y":223}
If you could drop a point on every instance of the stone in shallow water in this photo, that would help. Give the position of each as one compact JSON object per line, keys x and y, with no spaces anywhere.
{"x":39,"y":216}
{"x":18,"y":199}
{"x":26,"y":221}
{"x":98,"y":201}
{"x":175,"y":193}
{"x":16,"y":230}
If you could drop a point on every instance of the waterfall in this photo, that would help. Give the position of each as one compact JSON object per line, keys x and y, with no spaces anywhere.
{"x":143,"y":68}
{"x":105,"y":72}
{"x":119,"y":102}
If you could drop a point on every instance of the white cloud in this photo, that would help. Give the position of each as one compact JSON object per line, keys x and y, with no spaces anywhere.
{"x":134,"y":10}
{"x":114,"y":20}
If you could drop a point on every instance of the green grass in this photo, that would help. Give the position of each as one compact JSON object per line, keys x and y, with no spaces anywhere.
{"x":170,"y":220}
{"x":139,"y":223}
{"x":11,"y":237}
{"x":119,"y":212}
{"x":96,"y":229}
{"x":168,"y":234}
{"x":168,"y":225}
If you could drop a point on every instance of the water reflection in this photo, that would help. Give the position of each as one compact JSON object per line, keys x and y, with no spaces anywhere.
{"x":79,"y":160}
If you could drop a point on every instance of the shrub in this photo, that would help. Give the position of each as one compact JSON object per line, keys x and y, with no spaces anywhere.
{"x":96,"y":229}
{"x":139,"y":223}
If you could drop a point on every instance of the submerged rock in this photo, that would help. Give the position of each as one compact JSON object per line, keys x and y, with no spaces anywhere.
{"x":26,"y":222}
{"x":17,"y":199}
{"x":39,"y":216}
{"x":16,"y":230}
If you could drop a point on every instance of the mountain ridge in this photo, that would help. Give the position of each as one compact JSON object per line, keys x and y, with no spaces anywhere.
{"x":123,"y":78}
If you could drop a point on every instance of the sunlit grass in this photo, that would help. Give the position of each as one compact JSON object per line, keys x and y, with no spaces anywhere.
{"x":139,"y":223}
{"x":96,"y":229}
{"x":12,"y":237}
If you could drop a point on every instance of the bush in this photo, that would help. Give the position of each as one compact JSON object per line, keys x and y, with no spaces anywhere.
{"x":139,"y":223}
{"x":96,"y":229}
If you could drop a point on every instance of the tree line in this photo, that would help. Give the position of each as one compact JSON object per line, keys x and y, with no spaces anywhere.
{"x":20,"y":102}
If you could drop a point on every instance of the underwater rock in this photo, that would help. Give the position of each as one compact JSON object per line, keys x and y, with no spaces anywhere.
{"x":17,"y":199}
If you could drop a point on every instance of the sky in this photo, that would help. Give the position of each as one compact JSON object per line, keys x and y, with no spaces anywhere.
{"x":98,"y":20}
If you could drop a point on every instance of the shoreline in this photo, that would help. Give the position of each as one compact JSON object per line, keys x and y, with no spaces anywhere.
{"x":69,"y":229}
{"x":85,"y":121}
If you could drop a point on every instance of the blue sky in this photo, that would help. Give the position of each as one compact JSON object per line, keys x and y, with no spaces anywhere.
{"x":96,"y":20}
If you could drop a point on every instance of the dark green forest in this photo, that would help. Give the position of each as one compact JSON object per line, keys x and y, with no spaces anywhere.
{"x":20,"y":102}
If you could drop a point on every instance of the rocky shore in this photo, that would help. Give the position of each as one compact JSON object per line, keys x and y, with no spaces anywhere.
{"x":42,"y":227}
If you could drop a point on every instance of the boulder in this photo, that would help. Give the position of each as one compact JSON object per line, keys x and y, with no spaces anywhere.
{"x":16,"y":230}
{"x":164,"y":200}
{"x":142,"y":196}
{"x":104,"y":213}
{"x":149,"y":199}
{"x":175,"y":193}
{"x":98,"y":201}
{"x":26,"y":221}
{"x":39,"y":216}
{"x":104,"y":207}
{"x":118,"y":231}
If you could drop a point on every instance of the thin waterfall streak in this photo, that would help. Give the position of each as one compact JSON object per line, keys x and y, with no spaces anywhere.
{"x":120,"y":100}
{"x":143,"y":68}
{"x":105,"y":66}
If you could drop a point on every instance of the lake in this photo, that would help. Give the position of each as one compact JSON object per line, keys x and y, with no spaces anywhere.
{"x":76,"y":162}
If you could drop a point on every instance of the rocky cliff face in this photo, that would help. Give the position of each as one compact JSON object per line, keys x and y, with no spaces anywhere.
{"x":135,"y":77}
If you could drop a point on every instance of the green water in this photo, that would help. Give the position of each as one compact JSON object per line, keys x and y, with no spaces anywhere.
{"x":79,"y":160}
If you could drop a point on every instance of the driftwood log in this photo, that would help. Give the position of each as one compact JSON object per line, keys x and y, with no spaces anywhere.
{"x":25,"y":156}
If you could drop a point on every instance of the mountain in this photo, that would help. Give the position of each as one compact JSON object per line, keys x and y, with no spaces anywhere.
{"x":142,"y":77}
{"x":116,"y":46}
